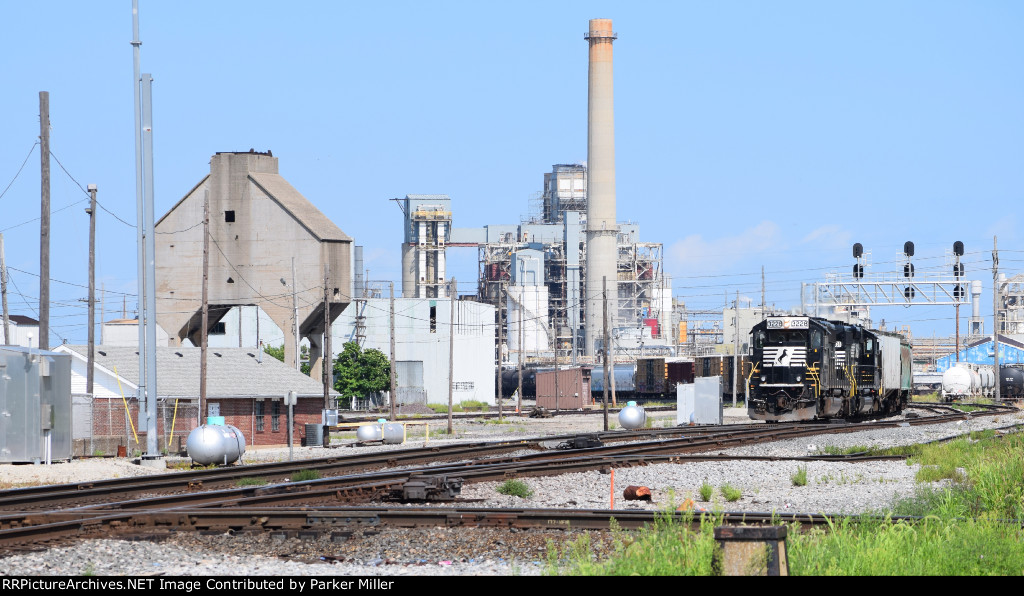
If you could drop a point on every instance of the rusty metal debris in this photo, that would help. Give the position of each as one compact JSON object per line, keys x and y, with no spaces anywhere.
{"x":637,"y":493}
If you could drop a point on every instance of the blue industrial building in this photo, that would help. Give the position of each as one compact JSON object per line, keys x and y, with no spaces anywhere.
{"x":1011,"y":351}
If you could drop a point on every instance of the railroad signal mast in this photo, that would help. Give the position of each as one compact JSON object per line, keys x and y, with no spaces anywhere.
{"x":856,"y":291}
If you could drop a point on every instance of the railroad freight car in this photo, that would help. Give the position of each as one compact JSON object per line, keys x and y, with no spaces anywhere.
{"x":656,"y":378}
{"x":1011,"y":382}
{"x":808,"y":368}
{"x":721,"y":366}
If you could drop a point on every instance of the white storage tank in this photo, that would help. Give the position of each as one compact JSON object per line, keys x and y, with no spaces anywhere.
{"x":632,"y":416}
{"x":215,"y":444}
{"x":371,"y":432}
{"x":393,"y":433}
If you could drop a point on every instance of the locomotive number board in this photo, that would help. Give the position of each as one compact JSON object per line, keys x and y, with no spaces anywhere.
{"x":787,"y":322}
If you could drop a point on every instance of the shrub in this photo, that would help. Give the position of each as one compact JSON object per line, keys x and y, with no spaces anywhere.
{"x":731,"y":494}
{"x":800,"y":478}
{"x":706,"y":490}
{"x":515,"y":488}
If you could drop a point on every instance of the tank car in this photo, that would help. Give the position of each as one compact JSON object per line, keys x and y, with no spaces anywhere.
{"x":1011,"y":383}
{"x":807,"y":368}
{"x":956,"y":383}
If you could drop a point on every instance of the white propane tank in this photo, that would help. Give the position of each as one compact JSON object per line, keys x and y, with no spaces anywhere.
{"x":370,"y":432}
{"x":632,"y":416}
{"x":393,"y":433}
{"x":956,"y":382}
{"x":215,"y":444}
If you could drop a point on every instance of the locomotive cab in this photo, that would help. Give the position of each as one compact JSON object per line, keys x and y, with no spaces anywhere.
{"x":787,"y":364}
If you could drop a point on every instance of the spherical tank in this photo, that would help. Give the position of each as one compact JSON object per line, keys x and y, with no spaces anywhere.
{"x":215,"y":444}
{"x":632,"y":416}
{"x":956,"y":382}
{"x":393,"y":433}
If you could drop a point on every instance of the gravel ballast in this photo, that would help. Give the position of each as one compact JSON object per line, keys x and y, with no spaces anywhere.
{"x":832,"y":487}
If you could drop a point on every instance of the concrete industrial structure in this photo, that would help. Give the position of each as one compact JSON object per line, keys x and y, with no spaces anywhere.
{"x":601,"y":225}
{"x":268,"y":247}
{"x":428,"y":224}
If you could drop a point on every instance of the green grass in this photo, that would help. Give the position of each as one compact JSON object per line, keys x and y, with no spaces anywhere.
{"x":730,"y":493}
{"x":516,"y":488}
{"x":305,"y":475}
{"x":472,"y":405}
{"x":706,"y":491}
{"x":962,"y":530}
{"x":443,"y":408}
{"x":800,"y":477}
{"x":249,"y":481}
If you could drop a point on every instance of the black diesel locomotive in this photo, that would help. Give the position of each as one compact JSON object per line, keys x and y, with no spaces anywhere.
{"x":808,"y":368}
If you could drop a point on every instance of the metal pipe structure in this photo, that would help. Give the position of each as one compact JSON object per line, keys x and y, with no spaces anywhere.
{"x":152,"y":450}
{"x":601,"y":229}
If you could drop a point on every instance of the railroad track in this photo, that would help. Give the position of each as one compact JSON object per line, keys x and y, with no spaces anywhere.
{"x":349,"y":482}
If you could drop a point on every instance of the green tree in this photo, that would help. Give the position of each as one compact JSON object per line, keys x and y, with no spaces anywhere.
{"x":278,"y":352}
{"x":275,"y":351}
{"x":358,"y":372}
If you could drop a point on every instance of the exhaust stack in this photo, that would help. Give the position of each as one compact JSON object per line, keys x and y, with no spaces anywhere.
{"x":601,"y":230}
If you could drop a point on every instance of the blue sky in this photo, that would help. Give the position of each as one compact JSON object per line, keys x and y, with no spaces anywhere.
{"x":748,"y":134}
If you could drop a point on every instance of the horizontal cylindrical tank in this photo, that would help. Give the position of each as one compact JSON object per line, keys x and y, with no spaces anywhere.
{"x":370,"y":432}
{"x":956,"y":382}
{"x":393,"y":433}
{"x":623,"y":380}
{"x":632,"y":416}
{"x":988,"y":380}
{"x":1011,"y":382}
{"x":215,"y":444}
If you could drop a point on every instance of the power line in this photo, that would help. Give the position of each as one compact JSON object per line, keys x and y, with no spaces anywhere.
{"x":30,"y":150}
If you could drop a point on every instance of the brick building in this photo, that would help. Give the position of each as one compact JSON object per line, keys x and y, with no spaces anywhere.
{"x":244,"y":386}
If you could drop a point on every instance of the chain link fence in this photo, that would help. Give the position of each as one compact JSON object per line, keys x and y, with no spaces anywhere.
{"x":101,"y":425}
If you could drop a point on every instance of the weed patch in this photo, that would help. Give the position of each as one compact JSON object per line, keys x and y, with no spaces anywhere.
{"x":515,"y":488}
{"x":305,"y":475}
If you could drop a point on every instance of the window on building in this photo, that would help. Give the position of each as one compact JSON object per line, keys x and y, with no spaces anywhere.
{"x":275,"y":416}
{"x":433,"y":319}
{"x":218,"y":329}
{"x":258,"y":412}
{"x":229,"y":216}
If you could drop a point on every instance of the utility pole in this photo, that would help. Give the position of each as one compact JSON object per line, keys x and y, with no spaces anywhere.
{"x":995,"y":314}
{"x":522,"y":353}
{"x":735,"y":346}
{"x":92,"y":290}
{"x":501,"y":338}
{"x":328,"y":358}
{"x":44,"y":221}
{"x":451,"y":356}
{"x":762,"y":293}
{"x":394,"y":387}
{"x":3,"y":293}
{"x":604,"y":298}
{"x":295,"y":316}
{"x":203,"y":414}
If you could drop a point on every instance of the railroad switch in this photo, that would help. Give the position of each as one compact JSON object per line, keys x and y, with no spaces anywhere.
{"x":428,"y":488}
{"x":582,"y":442}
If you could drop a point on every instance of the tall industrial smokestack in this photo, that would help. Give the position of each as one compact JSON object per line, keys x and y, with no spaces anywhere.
{"x":601,"y":229}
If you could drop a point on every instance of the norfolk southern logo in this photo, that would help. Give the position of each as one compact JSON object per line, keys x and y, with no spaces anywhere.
{"x":785,"y":356}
